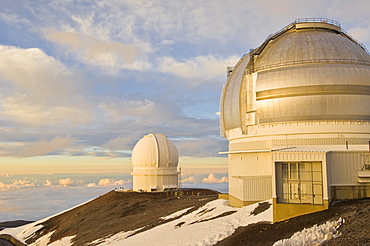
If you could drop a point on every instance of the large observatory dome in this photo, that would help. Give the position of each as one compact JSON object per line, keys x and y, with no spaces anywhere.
{"x":309,"y":70}
{"x":155,"y":150}
{"x":296,"y":114}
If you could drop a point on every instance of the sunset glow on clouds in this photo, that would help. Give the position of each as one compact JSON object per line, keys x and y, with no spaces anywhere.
{"x":209,"y":179}
{"x":212,"y":179}
{"x":94,"y":81}
{"x":32,"y":197}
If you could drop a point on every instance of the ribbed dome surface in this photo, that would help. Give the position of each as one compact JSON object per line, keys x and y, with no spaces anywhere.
{"x":308,"y":71}
{"x":309,"y":44}
{"x":155,"y":150}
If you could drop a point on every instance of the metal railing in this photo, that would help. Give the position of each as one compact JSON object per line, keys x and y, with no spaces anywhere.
{"x":308,"y":20}
{"x":317,"y":20}
{"x":356,"y":41}
{"x":305,"y":20}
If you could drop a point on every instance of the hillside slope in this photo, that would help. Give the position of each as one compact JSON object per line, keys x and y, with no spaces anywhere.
{"x":118,"y":211}
{"x":126,"y":218}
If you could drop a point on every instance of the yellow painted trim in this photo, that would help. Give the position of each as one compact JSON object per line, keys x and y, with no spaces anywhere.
{"x":223,"y":196}
{"x":283,"y":211}
{"x":238,"y":203}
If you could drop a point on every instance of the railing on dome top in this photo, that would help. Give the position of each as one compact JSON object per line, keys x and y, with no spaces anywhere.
{"x":317,"y":20}
{"x":308,"y":20}
{"x":313,"y":61}
{"x":304,"y":20}
{"x":332,"y":22}
{"x":356,"y":41}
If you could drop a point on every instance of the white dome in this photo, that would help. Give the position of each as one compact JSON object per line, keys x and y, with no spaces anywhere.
{"x":155,"y":150}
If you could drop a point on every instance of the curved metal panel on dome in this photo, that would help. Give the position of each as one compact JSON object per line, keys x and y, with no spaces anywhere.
{"x":167,"y":154}
{"x":314,"y":107}
{"x":145,"y":153}
{"x":230,"y":101}
{"x":173,"y":159}
{"x":155,"y":150}
{"x":314,"y":74}
{"x":309,"y":44}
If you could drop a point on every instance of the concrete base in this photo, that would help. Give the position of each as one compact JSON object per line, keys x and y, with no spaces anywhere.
{"x":283,"y":211}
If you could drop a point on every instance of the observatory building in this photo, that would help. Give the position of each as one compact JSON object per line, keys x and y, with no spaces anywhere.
{"x":154,"y":160}
{"x":296,"y":113}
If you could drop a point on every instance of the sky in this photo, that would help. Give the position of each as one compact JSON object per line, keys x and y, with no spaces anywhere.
{"x":82,"y":81}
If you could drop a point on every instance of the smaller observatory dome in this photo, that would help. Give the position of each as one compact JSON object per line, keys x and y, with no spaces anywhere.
{"x":155,"y":150}
{"x":154,"y":160}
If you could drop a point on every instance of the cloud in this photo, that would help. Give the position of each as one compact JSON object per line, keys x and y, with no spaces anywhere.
{"x":120,"y":182}
{"x":48,"y":183}
{"x":110,"y":182}
{"x":39,"y":90}
{"x":23,"y":183}
{"x":16,"y":184}
{"x":97,"y":52}
{"x":120,"y":143}
{"x":191,"y":179}
{"x":66,"y":182}
{"x":14,"y":19}
{"x":199,"y":68}
{"x":118,"y":111}
{"x":106,"y":182}
{"x":45,"y":147}
{"x":201,"y":147}
{"x":212,"y":179}
{"x":31,"y":70}
{"x":142,"y":112}
{"x":361,"y":34}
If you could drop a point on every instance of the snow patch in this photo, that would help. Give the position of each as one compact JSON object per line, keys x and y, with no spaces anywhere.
{"x":202,"y":227}
{"x":315,"y":235}
{"x":44,"y":240}
{"x":66,"y":241}
{"x":176,"y":214}
{"x":115,"y":238}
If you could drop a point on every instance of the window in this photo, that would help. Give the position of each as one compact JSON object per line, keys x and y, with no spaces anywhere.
{"x":299,"y":182}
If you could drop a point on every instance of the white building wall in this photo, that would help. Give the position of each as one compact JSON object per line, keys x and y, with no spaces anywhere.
{"x":236,"y":187}
{"x":250,"y":164}
{"x":250,"y":176}
{"x":159,"y":182}
{"x":258,"y":188}
{"x":148,"y":178}
{"x":342,"y":167}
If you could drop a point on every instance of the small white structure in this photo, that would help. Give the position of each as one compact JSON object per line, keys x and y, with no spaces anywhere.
{"x":155,"y":159}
